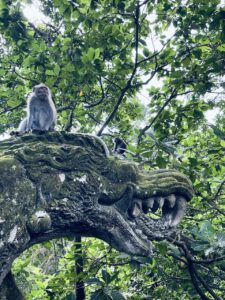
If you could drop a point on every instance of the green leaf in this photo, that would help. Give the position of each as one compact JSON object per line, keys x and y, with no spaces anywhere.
{"x":116,"y":295}
{"x":42,"y":46}
{"x":221,"y":48}
{"x":143,"y":42}
{"x":106,"y":276}
{"x":100,"y":295}
{"x":193,"y":161}
{"x":163,"y":248}
{"x":207,"y":231}
{"x":143,"y":260}
{"x":221,"y":239}
{"x":146,"y":52}
{"x":69,"y":68}
{"x":161,"y":162}
{"x":50,"y":72}
{"x":94,"y":281}
{"x":90,"y":54}
{"x":175,"y":250}
{"x":56,"y":70}
{"x":97,"y":52}
{"x":199,"y":246}
{"x":67,"y":41}
{"x":218,"y":132}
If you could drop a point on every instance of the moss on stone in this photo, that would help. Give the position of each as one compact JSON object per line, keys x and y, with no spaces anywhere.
{"x":69,"y":176}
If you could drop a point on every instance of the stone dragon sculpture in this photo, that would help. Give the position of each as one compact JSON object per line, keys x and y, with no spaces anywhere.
{"x":62,"y":184}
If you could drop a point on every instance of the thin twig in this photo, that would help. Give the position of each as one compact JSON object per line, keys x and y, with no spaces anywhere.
{"x":147,"y":127}
{"x":144,"y":2}
{"x":26,"y":78}
{"x":69,"y":123}
{"x":11,"y":108}
{"x":103,"y":97}
{"x":37,"y":30}
{"x":171,"y":97}
{"x":62,"y":108}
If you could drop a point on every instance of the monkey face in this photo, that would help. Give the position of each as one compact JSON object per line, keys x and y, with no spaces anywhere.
{"x":41,"y":91}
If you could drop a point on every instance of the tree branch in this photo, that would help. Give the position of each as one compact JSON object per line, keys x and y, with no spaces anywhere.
{"x":79,"y":263}
{"x":195,"y":277}
{"x":62,"y":108}
{"x":11,"y":108}
{"x":144,"y":2}
{"x":93,"y":118}
{"x":25,"y":78}
{"x":147,"y":127}
{"x":171,"y":97}
{"x":103,"y":97}
{"x":195,"y":282}
{"x":69,"y":123}
{"x":205,"y":285}
{"x":37,"y":30}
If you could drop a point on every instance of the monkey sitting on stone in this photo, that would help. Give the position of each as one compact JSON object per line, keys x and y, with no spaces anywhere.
{"x":41,"y":111}
{"x":120,"y":147}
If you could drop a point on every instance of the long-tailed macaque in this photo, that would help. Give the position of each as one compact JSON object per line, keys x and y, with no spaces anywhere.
{"x":119,"y":147}
{"x":41,"y":111}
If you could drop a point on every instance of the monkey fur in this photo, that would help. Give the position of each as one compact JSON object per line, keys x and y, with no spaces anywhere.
{"x":120,"y":147}
{"x":41,"y":111}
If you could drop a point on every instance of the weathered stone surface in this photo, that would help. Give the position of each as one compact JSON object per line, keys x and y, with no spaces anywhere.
{"x":63,"y":184}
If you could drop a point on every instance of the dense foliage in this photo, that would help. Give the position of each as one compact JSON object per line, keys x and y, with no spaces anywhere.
{"x":146,"y":71}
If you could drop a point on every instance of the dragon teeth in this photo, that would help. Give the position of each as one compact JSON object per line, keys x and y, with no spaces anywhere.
{"x":150,"y":202}
{"x":136,"y":208}
{"x":179,"y":211}
{"x":173,"y":208}
{"x":171,"y":200}
{"x":160,"y":201}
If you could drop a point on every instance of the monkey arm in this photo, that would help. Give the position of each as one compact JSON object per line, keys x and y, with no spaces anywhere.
{"x":23,"y":126}
{"x":31,"y":113}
